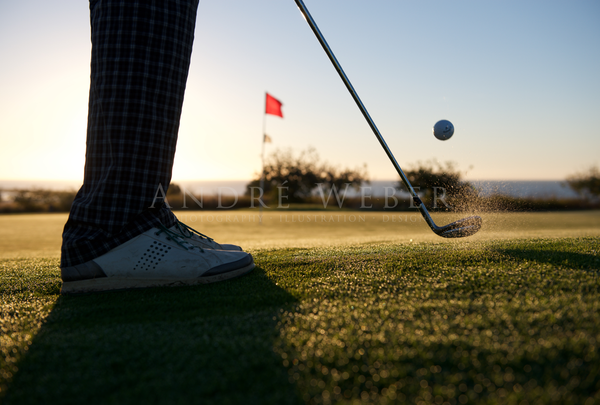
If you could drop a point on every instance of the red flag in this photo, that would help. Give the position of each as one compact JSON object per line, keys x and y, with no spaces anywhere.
{"x":273,"y":106}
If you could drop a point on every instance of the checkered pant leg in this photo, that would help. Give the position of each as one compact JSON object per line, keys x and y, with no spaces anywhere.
{"x":140,"y":60}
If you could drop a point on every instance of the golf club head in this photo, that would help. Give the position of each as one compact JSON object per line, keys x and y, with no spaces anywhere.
{"x":461,"y":228}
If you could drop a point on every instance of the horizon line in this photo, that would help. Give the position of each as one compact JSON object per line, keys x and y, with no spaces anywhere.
{"x":249,"y":180}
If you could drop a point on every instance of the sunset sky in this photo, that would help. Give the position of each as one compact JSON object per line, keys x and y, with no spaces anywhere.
{"x":519,"y":79}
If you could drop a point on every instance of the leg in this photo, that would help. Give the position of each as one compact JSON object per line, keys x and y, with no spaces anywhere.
{"x":117,"y":235}
{"x":140,"y":60}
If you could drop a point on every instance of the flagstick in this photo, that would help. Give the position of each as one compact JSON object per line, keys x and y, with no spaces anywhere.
{"x":262,"y":158}
{"x":272,"y":106}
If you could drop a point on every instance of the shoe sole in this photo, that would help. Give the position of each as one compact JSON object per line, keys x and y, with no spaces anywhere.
{"x":118,"y":283}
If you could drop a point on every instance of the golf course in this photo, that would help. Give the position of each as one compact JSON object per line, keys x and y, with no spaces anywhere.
{"x":343,"y":307}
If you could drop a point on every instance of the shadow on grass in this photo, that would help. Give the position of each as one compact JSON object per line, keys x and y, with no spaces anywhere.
{"x":208,"y":344}
{"x":558,"y":258}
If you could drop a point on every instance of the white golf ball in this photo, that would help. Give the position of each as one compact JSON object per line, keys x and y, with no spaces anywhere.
{"x":443,"y":130}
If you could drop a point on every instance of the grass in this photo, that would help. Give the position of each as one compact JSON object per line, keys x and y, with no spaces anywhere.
{"x":507,"y":317}
{"x":39,"y":235}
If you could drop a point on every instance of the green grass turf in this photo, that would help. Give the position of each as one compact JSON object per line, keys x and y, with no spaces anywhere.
{"x":513,"y":321}
{"x":39,"y":235}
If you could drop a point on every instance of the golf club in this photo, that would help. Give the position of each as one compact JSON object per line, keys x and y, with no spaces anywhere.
{"x":461,"y":228}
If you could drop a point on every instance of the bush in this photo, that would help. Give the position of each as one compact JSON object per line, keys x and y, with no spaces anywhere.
{"x":39,"y":200}
{"x":301,"y":176}
{"x":436,"y":182}
{"x":586,"y":184}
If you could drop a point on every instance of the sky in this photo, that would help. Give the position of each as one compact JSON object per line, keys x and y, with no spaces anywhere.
{"x":518,"y":79}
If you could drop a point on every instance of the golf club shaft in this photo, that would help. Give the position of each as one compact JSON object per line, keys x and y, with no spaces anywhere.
{"x":364,"y":111}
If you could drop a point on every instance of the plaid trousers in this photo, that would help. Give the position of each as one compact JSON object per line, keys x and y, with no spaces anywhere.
{"x":141,"y":53}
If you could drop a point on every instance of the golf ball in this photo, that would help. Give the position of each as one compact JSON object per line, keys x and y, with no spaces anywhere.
{"x":443,"y":130}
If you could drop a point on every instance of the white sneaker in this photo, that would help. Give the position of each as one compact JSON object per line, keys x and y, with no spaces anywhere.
{"x":157,"y":257}
{"x":196,"y":238}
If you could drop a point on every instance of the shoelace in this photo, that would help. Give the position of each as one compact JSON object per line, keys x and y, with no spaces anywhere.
{"x":188,"y":232}
{"x":176,"y":238}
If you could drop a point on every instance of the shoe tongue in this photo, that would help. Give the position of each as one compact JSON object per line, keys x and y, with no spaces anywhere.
{"x":185,"y":232}
{"x":181,"y":233}
{"x":174,"y":234}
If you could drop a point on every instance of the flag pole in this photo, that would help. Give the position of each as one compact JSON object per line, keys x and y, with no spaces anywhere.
{"x":262,"y":158}
{"x":272,"y":106}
